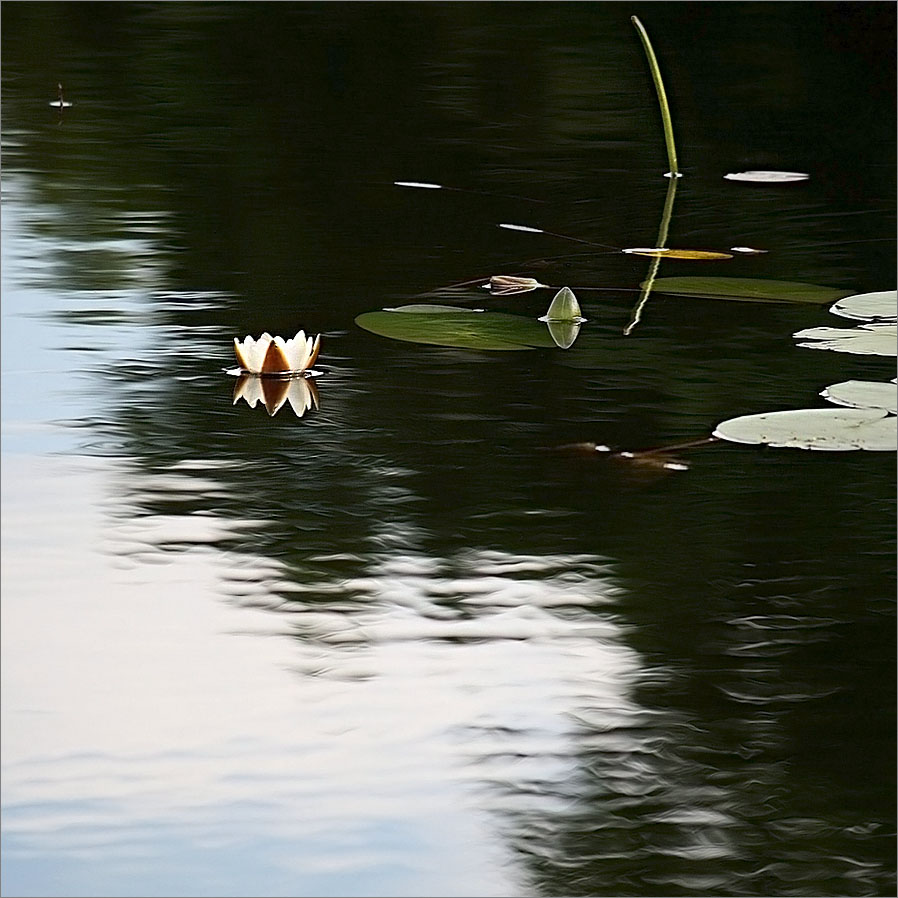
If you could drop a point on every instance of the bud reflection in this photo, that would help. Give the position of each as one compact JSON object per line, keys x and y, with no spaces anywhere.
{"x":274,"y":392}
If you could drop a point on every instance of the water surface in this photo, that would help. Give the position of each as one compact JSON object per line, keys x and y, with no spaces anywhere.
{"x":400,"y":646}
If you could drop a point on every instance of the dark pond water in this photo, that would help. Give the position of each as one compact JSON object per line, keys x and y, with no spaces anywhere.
{"x":400,"y":646}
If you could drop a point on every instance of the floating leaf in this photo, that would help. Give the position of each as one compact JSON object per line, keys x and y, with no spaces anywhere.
{"x":425,"y":185}
{"x":695,"y":254}
{"x":427,"y":308}
{"x":451,"y":326}
{"x":867,"y":339}
{"x":747,"y":250}
{"x":768,"y":177}
{"x":564,"y":307}
{"x":831,"y":429}
{"x":864,"y":394}
{"x":506,"y":285}
{"x":882,"y":306}
{"x":525,"y":228}
{"x":748,"y":289}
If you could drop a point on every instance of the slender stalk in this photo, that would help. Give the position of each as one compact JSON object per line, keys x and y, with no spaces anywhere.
{"x":675,"y":447}
{"x":662,"y":97}
{"x":653,"y":268}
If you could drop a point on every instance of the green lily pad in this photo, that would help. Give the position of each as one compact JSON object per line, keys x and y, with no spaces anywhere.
{"x":462,"y":328}
{"x":864,"y":394}
{"x":829,"y":429}
{"x":748,"y":289}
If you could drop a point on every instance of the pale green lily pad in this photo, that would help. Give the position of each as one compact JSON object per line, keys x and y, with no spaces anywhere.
{"x":428,"y":308}
{"x":827,"y":429}
{"x":864,"y":394}
{"x":868,"y":339}
{"x":747,"y":289}
{"x":768,"y":177}
{"x":462,"y":328}
{"x":881,"y":306}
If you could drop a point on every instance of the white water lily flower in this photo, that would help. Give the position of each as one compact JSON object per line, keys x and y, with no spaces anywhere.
{"x":274,"y":355}
{"x":273,"y":392}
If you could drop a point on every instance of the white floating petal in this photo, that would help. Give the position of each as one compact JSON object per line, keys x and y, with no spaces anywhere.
{"x":828,"y":429}
{"x":747,"y":250}
{"x":864,"y":394}
{"x":422,"y":184}
{"x":881,"y":306}
{"x":868,"y":339}
{"x":515,"y":227}
{"x":767,"y":177}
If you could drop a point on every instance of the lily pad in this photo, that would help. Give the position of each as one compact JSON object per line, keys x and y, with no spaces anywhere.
{"x":882,"y":306}
{"x":828,"y":429}
{"x":868,"y":339}
{"x":693,"y":254}
{"x":864,"y":394}
{"x":462,"y":328}
{"x":748,"y":289}
{"x":768,"y":177}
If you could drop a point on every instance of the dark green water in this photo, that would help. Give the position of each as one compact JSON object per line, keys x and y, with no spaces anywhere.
{"x":399,"y":646}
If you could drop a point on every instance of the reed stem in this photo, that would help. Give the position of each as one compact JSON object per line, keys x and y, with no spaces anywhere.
{"x":649,"y":282}
{"x":662,"y":97}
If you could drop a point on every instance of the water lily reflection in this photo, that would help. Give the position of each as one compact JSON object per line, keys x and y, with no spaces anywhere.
{"x":273,"y":392}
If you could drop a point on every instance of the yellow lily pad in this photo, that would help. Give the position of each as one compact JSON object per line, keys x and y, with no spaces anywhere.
{"x":661,"y":253}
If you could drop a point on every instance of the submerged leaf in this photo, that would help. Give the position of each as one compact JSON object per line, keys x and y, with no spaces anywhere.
{"x":867,"y":339}
{"x":748,"y":289}
{"x":694,"y":254}
{"x":864,"y":394}
{"x":882,"y":306}
{"x":462,"y":328}
{"x":830,"y":429}
{"x":564,"y":307}
{"x":767,"y":177}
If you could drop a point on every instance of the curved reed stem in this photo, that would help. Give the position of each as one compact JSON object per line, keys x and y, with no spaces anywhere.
{"x":662,"y":97}
{"x":653,"y":268}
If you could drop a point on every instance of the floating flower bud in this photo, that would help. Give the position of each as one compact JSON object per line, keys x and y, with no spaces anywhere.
{"x":276,"y":356}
